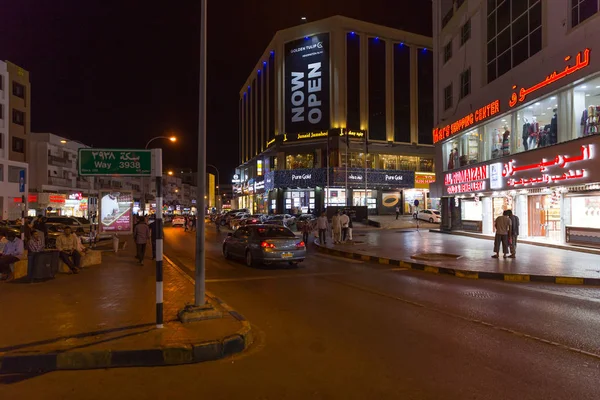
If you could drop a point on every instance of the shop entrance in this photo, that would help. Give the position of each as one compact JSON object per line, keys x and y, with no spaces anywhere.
{"x":543,"y":217}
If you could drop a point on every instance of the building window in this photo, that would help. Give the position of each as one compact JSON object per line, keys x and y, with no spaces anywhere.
{"x":1,"y":173}
{"x":299,"y":161}
{"x":448,"y":52}
{"x":353,"y":80}
{"x":448,"y":97}
{"x":465,"y":83}
{"x":465,"y":32}
{"x":377,"y":89}
{"x":425,"y":95}
{"x":402,"y":103}
{"x":1,"y":82}
{"x":1,"y":111}
{"x":14,"y":174}
{"x":514,"y":34}
{"x":18,"y":117}
{"x":388,"y":161}
{"x":18,"y":145}
{"x":18,"y":90}
{"x":357,"y":160}
{"x":582,"y":10}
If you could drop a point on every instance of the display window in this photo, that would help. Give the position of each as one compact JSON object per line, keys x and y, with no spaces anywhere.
{"x":335,"y":197}
{"x":543,"y":213}
{"x":585,"y":211}
{"x":499,"y":205}
{"x":358,"y":198}
{"x":498,"y":139}
{"x":299,"y":161}
{"x":463,"y":150}
{"x":299,"y":201}
{"x":410,"y":196}
{"x":471,"y":210}
{"x":356,"y":160}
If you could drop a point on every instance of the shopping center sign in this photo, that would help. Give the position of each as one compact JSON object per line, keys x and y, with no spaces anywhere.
{"x":479,"y":115}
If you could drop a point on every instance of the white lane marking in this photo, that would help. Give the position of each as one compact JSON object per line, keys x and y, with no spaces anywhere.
{"x":473,"y":320}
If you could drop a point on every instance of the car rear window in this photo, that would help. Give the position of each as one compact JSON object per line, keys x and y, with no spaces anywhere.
{"x":274,"y":232}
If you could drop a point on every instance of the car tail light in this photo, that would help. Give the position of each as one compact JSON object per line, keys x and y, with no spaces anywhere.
{"x":254,"y":221}
{"x":301,"y":244}
{"x":266,"y":245}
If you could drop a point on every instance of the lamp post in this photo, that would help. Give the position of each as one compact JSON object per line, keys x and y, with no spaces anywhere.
{"x":218,"y":181}
{"x":143,"y":188}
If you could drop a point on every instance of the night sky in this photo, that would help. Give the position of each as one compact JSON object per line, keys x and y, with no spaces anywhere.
{"x":117,"y":73}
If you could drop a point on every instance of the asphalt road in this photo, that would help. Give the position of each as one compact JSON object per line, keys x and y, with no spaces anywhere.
{"x":343,"y":329}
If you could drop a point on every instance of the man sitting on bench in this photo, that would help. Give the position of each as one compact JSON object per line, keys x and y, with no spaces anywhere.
{"x":67,"y":245}
{"x":12,"y":252}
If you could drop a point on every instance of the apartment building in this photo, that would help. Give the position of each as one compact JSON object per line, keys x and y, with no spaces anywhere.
{"x":517,"y":107}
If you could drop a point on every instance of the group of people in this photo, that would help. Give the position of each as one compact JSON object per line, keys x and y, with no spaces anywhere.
{"x":341,"y":228}
{"x":507,"y":232}
{"x":12,"y":248}
{"x":190,"y":223}
{"x":144,"y":232}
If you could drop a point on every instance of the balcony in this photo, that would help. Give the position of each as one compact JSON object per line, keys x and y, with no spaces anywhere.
{"x":83,"y":184}
{"x":60,"y":162}
{"x":53,"y":180}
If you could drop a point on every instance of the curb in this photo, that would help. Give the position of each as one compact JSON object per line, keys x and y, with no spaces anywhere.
{"x":465,"y":274}
{"x":172,"y":355}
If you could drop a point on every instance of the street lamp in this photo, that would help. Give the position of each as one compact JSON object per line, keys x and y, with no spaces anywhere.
{"x":170,"y":173}
{"x":171,"y":138}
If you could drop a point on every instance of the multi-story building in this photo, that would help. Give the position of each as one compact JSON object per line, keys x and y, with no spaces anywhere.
{"x":517,"y":116}
{"x":15,"y":115}
{"x":337,"y":112}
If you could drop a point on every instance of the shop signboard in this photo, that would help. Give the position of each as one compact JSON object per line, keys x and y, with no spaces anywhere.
{"x":375,"y":178}
{"x":116,"y":212}
{"x":110,"y":162}
{"x":300,"y":178}
{"x":424,"y":179}
{"x":307,"y":84}
{"x":389,"y":201}
{"x":467,"y":180}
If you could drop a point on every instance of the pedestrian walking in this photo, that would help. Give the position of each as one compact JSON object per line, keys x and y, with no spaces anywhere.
{"x":67,"y":245}
{"x":185,"y":223}
{"x":141,"y":235}
{"x":306,"y":229}
{"x":336,"y":227}
{"x":503,"y":225}
{"x":12,"y":252}
{"x":344,"y":220}
{"x":514,"y":233}
{"x":397,"y":211}
{"x":194,"y":219}
{"x":350,"y":229}
{"x":322,"y":225}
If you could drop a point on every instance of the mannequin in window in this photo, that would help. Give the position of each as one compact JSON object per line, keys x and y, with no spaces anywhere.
{"x":506,"y":142}
{"x":534,"y":134}
{"x":525,"y":133}
{"x":496,"y":143}
{"x":553,"y":136}
{"x":451,"y":159}
{"x":589,"y":120}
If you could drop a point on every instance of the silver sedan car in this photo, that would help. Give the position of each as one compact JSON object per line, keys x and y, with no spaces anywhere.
{"x":266,"y":244}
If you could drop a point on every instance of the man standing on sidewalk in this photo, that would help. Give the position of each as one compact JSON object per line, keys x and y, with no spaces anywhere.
{"x":67,"y":245}
{"x":336,"y":228}
{"x":503,"y":225}
{"x":322,"y":227}
{"x":514,"y":233}
{"x":344,"y":220}
{"x":397,"y":211}
{"x":141,"y":235}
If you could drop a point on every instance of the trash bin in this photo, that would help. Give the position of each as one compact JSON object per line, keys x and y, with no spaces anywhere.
{"x":42,"y":265}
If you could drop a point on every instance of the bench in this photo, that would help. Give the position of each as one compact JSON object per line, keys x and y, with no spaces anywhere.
{"x":91,"y":257}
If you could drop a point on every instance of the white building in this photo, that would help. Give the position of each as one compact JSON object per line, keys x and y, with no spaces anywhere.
{"x":14,"y":128}
{"x":517,"y":107}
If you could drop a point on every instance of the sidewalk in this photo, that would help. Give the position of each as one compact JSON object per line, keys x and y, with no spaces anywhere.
{"x":105,"y":317}
{"x":533,"y":263}
{"x":403,"y":222}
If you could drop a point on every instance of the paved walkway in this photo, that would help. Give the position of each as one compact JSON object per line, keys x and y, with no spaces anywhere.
{"x":109,"y":307}
{"x":475,"y":253}
{"x":403,"y":222}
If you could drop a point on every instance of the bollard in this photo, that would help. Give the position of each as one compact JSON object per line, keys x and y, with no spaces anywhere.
{"x":116,"y":243}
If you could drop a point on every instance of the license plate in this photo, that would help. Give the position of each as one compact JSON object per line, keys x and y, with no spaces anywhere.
{"x":286,"y":255}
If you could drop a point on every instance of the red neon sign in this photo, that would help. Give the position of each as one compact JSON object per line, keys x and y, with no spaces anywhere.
{"x":583,"y":60}
{"x":560,"y":161}
{"x":479,"y":115}
{"x":466,"y":175}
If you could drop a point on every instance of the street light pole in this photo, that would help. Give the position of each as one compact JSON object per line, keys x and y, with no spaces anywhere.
{"x":199,"y":289}
{"x":143,"y":189}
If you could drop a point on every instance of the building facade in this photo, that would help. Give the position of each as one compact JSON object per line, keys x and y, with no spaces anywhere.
{"x":517,"y":107}
{"x":15,"y":101}
{"x":337,"y":112}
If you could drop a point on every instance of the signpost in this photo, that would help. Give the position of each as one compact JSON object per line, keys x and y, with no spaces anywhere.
{"x":110,"y":162}
{"x":129,"y":162}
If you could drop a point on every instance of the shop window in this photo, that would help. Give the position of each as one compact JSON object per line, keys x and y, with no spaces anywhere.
{"x":388,"y":161}
{"x":448,"y":97}
{"x":463,"y":150}
{"x":299,"y":161}
{"x":585,"y":211}
{"x":408,"y":163}
{"x":537,"y":124}
{"x":357,"y":160}
{"x":448,"y":51}
{"x":300,"y":201}
{"x":471,"y":210}
{"x":358,"y":198}
{"x":586,"y":105}
{"x":582,"y":10}
{"x":514,"y":33}
{"x":498,"y":141}
{"x":335,"y":197}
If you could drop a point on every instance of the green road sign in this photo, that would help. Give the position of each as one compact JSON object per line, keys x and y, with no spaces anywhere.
{"x":124,"y":162}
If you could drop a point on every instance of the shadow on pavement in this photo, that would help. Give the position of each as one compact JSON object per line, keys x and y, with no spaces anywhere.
{"x":9,"y":379}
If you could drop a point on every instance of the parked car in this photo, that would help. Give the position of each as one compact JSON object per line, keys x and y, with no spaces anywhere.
{"x":432,"y":216}
{"x":234,"y":222}
{"x":75,"y":224}
{"x":178,"y":220}
{"x":306,"y":219}
{"x":288,"y":219}
{"x":7,"y":228}
{"x":264,"y":243}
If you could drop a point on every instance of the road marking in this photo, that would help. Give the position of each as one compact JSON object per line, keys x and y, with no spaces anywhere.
{"x":182,"y":272}
{"x":473,"y":320}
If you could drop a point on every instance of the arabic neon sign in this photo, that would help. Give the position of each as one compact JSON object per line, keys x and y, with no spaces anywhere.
{"x":560,"y":161}
{"x":358,"y":134}
{"x":582,"y":61}
{"x":480,"y":114}
{"x":270,"y":142}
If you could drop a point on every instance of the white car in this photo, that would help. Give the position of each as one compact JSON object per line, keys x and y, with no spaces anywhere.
{"x":432,"y":216}
{"x":178,"y":221}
